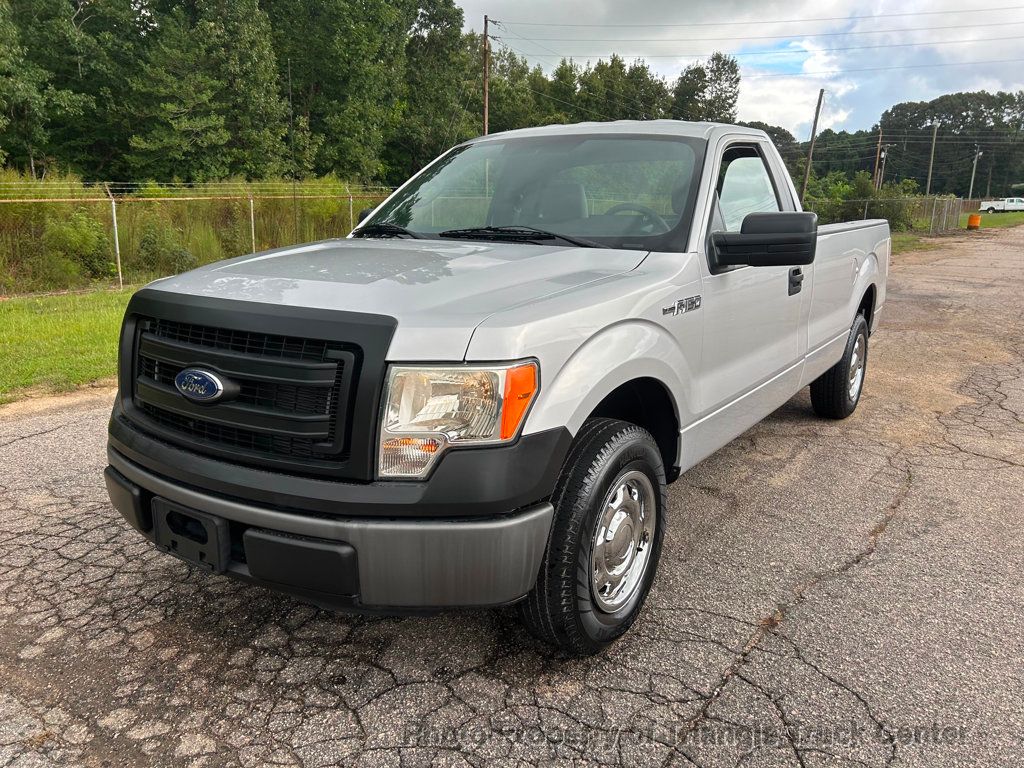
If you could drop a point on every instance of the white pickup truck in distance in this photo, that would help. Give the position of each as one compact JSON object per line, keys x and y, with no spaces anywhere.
{"x":1001,"y":206}
{"x":479,"y":397}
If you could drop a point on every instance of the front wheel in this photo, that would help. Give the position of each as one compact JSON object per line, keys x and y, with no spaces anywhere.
{"x":835,"y":394}
{"x":605,"y":539}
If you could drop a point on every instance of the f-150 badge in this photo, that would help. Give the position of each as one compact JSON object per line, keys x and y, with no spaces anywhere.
{"x":683,"y":305}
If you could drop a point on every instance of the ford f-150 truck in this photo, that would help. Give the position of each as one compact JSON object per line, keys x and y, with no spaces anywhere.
{"x":479,"y":396}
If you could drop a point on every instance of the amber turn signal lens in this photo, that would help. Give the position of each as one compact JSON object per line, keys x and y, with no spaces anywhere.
{"x":520,"y":387}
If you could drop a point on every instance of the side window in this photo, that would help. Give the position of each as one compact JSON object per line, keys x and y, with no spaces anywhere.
{"x":744,"y":186}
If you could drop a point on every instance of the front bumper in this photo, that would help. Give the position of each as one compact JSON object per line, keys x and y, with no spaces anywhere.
{"x":389,"y":564}
{"x":466,"y":482}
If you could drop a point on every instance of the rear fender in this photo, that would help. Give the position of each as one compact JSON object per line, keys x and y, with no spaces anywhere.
{"x":869,"y":273}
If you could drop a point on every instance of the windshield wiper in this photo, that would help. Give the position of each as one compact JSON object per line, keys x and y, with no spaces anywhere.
{"x":517,"y":232}
{"x":383,"y":229}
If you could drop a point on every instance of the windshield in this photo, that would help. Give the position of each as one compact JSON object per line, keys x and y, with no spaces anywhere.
{"x":621,"y":191}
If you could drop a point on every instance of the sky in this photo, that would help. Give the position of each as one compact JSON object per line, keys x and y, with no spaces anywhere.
{"x":867,"y":56}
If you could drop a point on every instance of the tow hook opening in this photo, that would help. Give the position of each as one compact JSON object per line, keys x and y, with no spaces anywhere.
{"x":187,"y":527}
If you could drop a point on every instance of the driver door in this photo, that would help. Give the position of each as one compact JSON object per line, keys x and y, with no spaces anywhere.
{"x":751,"y":347}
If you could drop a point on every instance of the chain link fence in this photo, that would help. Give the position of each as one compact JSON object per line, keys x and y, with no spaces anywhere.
{"x":68,"y":235}
{"x":921,"y":215}
{"x":65,"y":234}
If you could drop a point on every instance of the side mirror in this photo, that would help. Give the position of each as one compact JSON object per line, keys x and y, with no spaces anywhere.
{"x":363,"y":214}
{"x":768,"y":240}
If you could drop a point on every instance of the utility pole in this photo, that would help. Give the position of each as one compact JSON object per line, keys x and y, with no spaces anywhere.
{"x":487,"y":74}
{"x":878,"y":157}
{"x":974,"y":169}
{"x":810,"y":149}
{"x":881,"y":171}
{"x":931,"y":160}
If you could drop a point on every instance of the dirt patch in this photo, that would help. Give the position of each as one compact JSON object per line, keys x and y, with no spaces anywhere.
{"x":96,"y":393}
{"x":944,"y":317}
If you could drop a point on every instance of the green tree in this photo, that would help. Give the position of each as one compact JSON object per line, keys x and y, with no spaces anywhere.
{"x":688,"y":93}
{"x":516,"y":92}
{"x":992,"y":122}
{"x":237,"y":37}
{"x":347,"y":68}
{"x":31,"y":102}
{"x":708,"y":90}
{"x":87,"y":50}
{"x":439,"y":81}
{"x":722,"y":90}
{"x":561,"y":90}
{"x":206,"y":101}
{"x":783,"y":140}
{"x":182,"y":128}
{"x":650,"y":94}
{"x":617,"y":92}
{"x":11,"y":68}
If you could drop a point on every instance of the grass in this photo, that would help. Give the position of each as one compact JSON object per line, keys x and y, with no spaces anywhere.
{"x":902,"y":242}
{"x":996,"y":220}
{"x":57,"y":343}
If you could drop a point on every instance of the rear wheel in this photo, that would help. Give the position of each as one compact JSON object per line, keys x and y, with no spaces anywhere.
{"x":835,"y":394}
{"x":991,"y":210}
{"x":605,"y":539}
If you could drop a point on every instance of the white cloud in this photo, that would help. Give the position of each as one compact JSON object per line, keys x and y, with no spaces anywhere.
{"x":873,"y":78}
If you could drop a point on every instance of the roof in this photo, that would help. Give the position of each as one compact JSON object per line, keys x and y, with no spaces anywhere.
{"x":705,"y":131}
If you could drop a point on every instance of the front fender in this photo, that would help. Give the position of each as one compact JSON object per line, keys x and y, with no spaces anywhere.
{"x":619,"y":353}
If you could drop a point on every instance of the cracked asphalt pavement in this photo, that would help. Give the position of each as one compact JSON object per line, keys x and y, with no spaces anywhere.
{"x":830,"y":594}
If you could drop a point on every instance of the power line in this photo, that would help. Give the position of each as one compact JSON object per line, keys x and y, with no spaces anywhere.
{"x":762,"y":37}
{"x":949,"y":141}
{"x":570,"y":104}
{"x":761,"y":23}
{"x":880,"y":69}
{"x":821,"y":72}
{"x":783,"y":52}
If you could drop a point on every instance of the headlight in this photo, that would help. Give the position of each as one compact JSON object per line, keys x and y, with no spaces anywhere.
{"x":427,"y":409}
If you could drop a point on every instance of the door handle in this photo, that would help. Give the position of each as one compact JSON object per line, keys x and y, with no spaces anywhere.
{"x":796,"y":279}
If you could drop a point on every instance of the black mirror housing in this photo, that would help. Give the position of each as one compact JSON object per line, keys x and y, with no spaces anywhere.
{"x":781,"y":239}
{"x":364,"y":213}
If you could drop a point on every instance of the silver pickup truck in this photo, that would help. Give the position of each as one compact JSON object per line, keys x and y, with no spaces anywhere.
{"x":479,"y":397}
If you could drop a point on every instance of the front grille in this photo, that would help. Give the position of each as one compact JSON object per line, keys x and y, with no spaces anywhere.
{"x":279,"y":397}
{"x":242,"y":342}
{"x":286,"y":398}
{"x":235,"y":437}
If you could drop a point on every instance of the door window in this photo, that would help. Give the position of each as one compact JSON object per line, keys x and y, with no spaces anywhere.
{"x":744,"y":186}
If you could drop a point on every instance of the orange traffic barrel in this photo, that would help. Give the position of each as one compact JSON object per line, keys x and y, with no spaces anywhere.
{"x":974,"y":221}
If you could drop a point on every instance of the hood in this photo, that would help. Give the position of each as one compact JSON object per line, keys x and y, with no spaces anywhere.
{"x":438,"y":290}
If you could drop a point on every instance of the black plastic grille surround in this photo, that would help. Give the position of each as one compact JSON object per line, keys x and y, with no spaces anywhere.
{"x":292,"y":401}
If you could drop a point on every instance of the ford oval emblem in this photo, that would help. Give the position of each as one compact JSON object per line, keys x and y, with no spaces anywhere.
{"x":199,"y":385}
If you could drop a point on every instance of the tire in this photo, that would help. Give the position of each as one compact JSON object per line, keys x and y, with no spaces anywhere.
{"x":835,"y":394}
{"x":991,"y":210}
{"x":608,"y":461}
